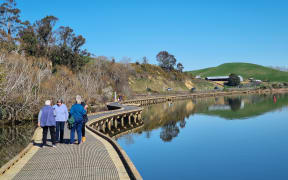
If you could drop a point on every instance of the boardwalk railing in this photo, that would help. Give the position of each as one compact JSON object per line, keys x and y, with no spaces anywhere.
{"x":159,"y":99}
{"x":110,"y":122}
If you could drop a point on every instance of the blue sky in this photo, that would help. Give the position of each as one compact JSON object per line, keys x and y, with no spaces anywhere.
{"x":202,"y":33}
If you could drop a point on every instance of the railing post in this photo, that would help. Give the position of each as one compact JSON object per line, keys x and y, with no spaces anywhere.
{"x":115,"y":123}
{"x":109,"y":124}
{"x":104,"y":126}
{"x":122,"y":121}
{"x":129,"y":119}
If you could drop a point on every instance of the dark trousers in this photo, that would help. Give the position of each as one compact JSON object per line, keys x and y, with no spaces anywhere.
{"x":83,"y":129}
{"x":52,"y":133}
{"x":60,"y":129}
{"x":78,"y":127}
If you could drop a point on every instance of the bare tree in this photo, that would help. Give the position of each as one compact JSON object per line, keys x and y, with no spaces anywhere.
{"x":145,"y":60}
{"x":21,"y":88}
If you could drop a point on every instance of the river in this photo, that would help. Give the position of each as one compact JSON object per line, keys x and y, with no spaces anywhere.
{"x":14,"y":137}
{"x":237,"y":137}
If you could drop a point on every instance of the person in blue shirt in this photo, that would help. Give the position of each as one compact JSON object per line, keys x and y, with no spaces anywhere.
{"x":78,"y":112}
{"x":61,"y":116}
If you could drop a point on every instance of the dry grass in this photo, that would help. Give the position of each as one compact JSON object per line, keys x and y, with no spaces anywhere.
{"x":158,"y":80}
{"x":25,"y":83}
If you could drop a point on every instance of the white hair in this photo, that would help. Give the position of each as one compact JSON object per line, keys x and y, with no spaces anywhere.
{"x":78,"y":99}
{"x":47,"y":102}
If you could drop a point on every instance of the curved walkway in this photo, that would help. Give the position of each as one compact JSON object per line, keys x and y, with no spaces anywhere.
{"x":94,"y":159}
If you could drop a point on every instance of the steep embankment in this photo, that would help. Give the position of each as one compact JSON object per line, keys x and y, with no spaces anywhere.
{"x":246,"y":70}
{"x":152,"y":78}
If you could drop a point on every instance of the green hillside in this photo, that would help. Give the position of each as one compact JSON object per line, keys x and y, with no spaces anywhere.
{"x":246,"y":70}
{"x":265,"y":104}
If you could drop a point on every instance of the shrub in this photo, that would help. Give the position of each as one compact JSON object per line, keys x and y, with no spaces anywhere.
{"x":275,"y":86}
{"x":233,"y":80}
{"x":148,"y":89}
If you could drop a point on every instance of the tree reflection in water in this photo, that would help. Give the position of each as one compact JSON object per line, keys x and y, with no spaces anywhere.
{"x":171,"y":118}
{"x":182,"y":123}
{"x":169,"y":131}
{"x":235,"y":103}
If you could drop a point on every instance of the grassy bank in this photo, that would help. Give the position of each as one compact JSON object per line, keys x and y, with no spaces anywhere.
{"x":246,"y":70}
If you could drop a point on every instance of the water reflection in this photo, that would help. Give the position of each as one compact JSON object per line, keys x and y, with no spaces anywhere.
{"x":236,"y":137}
{"x":169,"y":131}
{"x":171,"y":117}
{"x":244,"y":107}
{"x":13,"y":138}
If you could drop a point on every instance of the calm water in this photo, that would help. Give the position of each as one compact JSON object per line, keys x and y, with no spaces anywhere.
{"x":14,"y":138}
{"x":242,"y":137}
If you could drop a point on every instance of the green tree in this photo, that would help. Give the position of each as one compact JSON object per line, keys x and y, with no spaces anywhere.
{"x":28,"y":41}
{"x":65,"y":36}
{"x":233,"y":80}
{"x":180,"y":67}
{"x":68,"y":51}
{"x":166,"y":61}
{"x":45,"y":34}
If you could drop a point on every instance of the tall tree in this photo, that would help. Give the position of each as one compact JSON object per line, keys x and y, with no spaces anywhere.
{"x":77,"y":42}
{"x":10,"y":21}
{"x":44,"y":30}
{"x":166,"y":60}
{"x":28,"y":41}
{"x":65,"y":36}
{"x":68,"y":51}
{"x":180,"y":67}
{"x":145,"y":60}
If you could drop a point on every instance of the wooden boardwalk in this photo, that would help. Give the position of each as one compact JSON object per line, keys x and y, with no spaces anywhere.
{"x":94,"y":159}
{"x":89,"y":160}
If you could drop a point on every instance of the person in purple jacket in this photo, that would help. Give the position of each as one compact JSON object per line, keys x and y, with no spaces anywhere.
{"x":46,"y":120}
{"x":61,"y":116}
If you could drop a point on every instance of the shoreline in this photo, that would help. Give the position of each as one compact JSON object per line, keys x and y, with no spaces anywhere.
{"x":187,"y":95}
{"x":136,"y":102}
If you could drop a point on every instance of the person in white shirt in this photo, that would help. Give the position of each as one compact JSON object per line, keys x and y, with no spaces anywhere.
{"x":61,"y":116}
